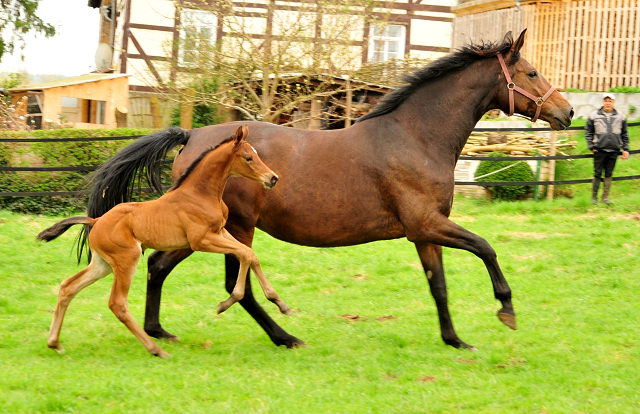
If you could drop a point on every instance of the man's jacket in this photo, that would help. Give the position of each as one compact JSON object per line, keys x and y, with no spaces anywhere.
{"x":607,"y":133}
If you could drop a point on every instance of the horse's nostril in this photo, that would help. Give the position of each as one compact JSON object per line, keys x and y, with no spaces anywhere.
{"x":571,"y":114}
{"x":274,"y":180}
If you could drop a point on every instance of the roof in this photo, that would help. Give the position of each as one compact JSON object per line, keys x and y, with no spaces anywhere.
{"x":89,"y":77}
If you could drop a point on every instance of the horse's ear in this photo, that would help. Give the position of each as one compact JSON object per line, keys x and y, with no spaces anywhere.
{"x":517,"y":45}
{"x":245,"y":131}
{"x":239,"y":136}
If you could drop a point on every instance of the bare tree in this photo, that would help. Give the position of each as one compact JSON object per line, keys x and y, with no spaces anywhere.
{"x":270,"y":63}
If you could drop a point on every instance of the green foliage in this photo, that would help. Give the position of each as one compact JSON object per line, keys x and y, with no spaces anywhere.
{"x":204,"y":113}
{"x":19,"y":17}
{"x":519,"y":172}
{"x":54,"y":154}
{"x":10,"y":80}
{"x":625,"y":89}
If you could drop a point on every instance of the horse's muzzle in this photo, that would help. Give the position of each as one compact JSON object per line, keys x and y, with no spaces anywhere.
{"x":271,"y":181}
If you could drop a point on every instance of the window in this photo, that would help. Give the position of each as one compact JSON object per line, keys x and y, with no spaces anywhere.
{"x":197,"y":28}
{"x":386,"y":42}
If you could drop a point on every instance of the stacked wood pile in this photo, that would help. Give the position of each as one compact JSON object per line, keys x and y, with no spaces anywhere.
{"x":513,"y":143}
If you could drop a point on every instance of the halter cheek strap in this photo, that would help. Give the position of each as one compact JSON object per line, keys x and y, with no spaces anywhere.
{"x":539,"y":100}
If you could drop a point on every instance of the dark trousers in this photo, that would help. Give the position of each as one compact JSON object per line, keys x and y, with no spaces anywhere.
{"x":604,"y":160}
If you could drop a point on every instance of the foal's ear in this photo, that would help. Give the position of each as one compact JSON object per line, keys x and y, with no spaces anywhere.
{"x":517,"y":45}
{"x":238,"y":137}
{"x":241,"y":134}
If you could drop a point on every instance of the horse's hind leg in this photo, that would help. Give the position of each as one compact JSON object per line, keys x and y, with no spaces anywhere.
{"x":160,"y":264}
{"x":123,"y":271}
{"x":441,"y":231}
{"x":431,"y":258}
{"x":267,"y":288}
{"x":69,"y":288}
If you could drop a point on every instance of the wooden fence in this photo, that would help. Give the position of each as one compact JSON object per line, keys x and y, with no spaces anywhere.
{"x":592,"y":45}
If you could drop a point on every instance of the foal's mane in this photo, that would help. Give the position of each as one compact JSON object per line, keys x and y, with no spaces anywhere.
{"x":455,"y":61}
{"x":195,"y":163}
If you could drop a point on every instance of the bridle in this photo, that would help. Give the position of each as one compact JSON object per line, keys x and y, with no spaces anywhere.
{"x":539,"y":100}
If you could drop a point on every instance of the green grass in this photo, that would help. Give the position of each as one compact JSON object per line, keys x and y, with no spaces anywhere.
{"x":573,"y":269}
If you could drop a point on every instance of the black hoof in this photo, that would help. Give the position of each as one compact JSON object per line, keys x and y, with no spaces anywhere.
{"x":290,"y":342}
{"x":161,"y":334}
{"x":457,"y":343}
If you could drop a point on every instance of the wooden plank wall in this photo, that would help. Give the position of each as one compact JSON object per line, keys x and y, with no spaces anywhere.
{"x":493,"y":25}
{"x":592,"y":45}
{"x":139,"y":112}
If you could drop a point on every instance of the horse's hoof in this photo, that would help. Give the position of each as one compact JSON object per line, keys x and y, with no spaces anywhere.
{"x":161,"y":334}
{"x":223,"y":306}
{"x":162,"y":354}
{"x":290,"y":342}
{"x":286,"y":311}
{"x":58,"y":348}
{"x":508,"y":319}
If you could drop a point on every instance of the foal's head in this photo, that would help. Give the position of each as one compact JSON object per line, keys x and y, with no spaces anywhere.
{"x":247,"y":163}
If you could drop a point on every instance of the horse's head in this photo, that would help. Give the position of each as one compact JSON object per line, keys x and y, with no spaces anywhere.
{"x":528,"y":92}
{"x":247,"y":163}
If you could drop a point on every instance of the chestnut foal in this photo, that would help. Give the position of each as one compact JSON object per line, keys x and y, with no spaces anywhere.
{"x":190,"y":215}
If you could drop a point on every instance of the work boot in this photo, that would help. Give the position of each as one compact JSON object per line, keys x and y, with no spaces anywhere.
{"x":594,"y":190}
{"x":605,"y":190}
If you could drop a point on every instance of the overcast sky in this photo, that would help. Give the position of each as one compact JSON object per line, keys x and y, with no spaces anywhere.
{"x":70,"y":52}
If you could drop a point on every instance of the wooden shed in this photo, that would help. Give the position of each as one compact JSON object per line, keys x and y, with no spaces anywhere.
{"x":87,"y":101}
{"x":590,"y":45}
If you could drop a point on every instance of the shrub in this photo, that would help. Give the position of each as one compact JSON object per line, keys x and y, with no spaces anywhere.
{"x":625,"y":89}
{"x":519,"y":172}
{"x":54,"y":154}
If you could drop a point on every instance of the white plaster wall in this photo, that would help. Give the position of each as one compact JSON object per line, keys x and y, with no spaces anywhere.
{"x":431,"y":33}
{"x":153,"y":12}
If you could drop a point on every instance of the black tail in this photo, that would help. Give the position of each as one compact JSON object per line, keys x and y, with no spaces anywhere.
{"x":62,"y":226}
{"x":114,"y":182}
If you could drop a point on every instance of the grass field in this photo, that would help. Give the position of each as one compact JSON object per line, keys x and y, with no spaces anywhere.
{"x":573,"y":269}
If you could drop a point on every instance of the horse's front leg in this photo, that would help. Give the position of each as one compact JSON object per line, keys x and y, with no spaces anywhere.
{"x":431,"y":258}
{"x":160,"y":264}
{"x":269,"y":292}
{"x":439,"y":230}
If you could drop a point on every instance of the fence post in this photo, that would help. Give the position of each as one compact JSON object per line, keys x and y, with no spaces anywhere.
{"x":552,"y":164}
{"x":186,"y":108}
{"x":349,"y":98}
{"x":155,"y":112}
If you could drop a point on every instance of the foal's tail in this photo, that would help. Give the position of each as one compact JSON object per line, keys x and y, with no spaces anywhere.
{"x":113,"y":183}
{"x":64,"y":225}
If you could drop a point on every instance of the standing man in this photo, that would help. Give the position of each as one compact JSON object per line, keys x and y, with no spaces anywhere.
{"x":606,"y":133}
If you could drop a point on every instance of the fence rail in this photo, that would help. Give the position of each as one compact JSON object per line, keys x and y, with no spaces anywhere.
{"x":464,"y":157}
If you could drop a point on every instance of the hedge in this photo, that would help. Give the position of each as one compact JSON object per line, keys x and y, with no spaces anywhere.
{"x":54,"y":154}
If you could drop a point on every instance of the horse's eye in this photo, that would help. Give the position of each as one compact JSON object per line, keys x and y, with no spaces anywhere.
{"x":532,"y":74}
{"x":248,"y":159}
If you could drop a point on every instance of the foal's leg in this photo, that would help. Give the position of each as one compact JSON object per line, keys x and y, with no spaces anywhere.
{"x":160,"y":264}
{"x":69,"y":288}
{"x":431,"y":258}
{"x":124,"y":266}
{"x":268,"y":290}
{"x":441,"y":231}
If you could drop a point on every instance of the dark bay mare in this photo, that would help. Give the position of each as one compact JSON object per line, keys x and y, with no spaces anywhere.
{"x":388,"y":176}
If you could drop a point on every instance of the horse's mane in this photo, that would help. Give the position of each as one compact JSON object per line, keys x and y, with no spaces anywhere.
{"x":455,"y":61}
{"x":195,"y":163}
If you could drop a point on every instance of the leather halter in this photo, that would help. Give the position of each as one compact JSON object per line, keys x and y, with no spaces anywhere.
{"x":539,"y":100}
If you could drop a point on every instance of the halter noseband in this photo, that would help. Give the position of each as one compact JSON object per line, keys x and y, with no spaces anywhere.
{"x":539,"y":100}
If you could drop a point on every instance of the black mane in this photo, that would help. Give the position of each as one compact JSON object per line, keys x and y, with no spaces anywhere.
{"x":453,"y":62}
{"x":195,"y":163}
